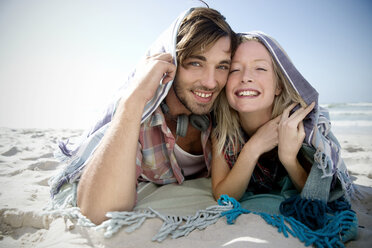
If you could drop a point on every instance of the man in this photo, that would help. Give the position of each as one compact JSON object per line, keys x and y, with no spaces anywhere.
{"x":154,"y":151}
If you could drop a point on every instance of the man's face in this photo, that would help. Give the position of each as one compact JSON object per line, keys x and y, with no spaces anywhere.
{"x":202,"y":77}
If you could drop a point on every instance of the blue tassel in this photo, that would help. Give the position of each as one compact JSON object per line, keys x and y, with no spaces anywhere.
{"x":233,"y":214}
{"x":338,"y":228}
{"x":312,"y":213}
{"x":339,"y":205}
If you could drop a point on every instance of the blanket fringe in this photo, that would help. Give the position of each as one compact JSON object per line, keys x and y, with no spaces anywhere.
{"x":63,"y":205}
{"x":340,"y":228}
{"x":325,"y":163}
{"x":117,"y":220}
{"x":182,"y":226}
{"x":174,"y":226}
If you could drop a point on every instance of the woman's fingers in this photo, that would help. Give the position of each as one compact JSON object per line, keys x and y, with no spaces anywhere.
{"x":286,"y":111}
{"x":301,"y":128}
{"x":301,"y":113}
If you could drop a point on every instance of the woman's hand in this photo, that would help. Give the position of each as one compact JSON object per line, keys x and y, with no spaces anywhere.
{"x":266,"y":137}
{"x":291,"y":133}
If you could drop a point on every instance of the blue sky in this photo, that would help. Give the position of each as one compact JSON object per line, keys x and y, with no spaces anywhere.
{"x":61,"y":60}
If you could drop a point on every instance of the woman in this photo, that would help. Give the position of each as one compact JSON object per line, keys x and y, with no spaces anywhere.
{"x":270,"y":136}
{"x":260,"y":131}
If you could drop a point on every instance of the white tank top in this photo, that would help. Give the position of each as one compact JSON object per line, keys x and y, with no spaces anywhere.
{"x":189,"y":163}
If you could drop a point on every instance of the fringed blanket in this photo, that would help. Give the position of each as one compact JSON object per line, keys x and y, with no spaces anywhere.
{"x":190,"y":206}
{"x":182,"y":208}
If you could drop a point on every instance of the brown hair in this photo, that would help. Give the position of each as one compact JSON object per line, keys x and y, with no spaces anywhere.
{"x":200,"y":30}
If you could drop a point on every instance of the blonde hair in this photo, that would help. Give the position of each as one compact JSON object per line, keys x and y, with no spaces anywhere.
{"x":228,"y":130}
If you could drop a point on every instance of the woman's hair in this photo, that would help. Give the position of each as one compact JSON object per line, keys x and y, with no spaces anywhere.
{"x":228,"y":130}
{"x":200,"y":30}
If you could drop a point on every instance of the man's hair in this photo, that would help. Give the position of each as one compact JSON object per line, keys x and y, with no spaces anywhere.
{"x":200,"y":30}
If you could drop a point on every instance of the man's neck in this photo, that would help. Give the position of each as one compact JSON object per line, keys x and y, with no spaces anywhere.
{"x":191,"y":143}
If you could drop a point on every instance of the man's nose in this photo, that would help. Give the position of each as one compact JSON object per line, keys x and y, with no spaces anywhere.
{"x":209,"y":79}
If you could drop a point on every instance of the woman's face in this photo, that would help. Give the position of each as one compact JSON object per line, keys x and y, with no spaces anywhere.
{"x":251,"y":85}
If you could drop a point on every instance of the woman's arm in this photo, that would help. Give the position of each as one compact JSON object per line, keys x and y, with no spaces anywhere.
{"x":291,"y":137}
{"x":234,"y":182}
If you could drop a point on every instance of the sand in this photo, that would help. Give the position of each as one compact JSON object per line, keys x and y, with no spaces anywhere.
{"x":27,"y":163}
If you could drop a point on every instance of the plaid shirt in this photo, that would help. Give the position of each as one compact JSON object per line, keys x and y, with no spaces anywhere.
{"x":267,"y":172}
{"x":156,"y":161}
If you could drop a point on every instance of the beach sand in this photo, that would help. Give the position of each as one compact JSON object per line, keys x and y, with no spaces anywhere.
{"x":27,"y":163}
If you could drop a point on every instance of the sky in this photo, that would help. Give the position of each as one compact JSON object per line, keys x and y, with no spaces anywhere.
{"x":60,"y":61}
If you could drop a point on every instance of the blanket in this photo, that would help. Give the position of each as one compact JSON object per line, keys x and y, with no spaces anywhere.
{"x":164,"y":212}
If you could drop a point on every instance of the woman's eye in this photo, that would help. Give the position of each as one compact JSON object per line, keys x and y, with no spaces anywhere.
{"x":261,"y":69}
{"x":234,"y":70}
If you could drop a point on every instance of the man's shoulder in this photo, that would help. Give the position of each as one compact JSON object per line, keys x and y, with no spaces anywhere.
{"x":155,"y":119}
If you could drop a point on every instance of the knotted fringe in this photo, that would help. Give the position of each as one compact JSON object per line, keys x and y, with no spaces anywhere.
{"x":182,"y":226}
{"x":63,"y":205}
{"x":340,"y":204}
{"x":117,"y":220}
{"x":232,"y":214}
{"x":325,"y":163}
{"x":64,"y":149}
{"x":315,"y":214}
{"x":175,"y":226}
{"x":340,"y":228}
{"x":311,"y":213}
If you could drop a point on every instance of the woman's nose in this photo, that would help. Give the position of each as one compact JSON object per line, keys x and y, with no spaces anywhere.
{"x":247,"y":77}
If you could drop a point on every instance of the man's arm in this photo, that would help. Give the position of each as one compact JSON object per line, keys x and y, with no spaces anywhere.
{"x":108,"y":182}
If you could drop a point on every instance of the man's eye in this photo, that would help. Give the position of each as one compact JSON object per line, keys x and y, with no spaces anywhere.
{"x":223,"y":67}
{"x":195,"y":64}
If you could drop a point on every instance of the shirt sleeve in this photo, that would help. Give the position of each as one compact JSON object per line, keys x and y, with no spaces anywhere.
{"x":139,"y":161}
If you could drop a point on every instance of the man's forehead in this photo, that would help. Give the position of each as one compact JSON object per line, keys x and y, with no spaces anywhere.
{"x":198,"y":56}
{"x":226,"y":58}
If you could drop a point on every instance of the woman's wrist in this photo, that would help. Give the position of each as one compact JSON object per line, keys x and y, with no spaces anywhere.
{"x":251,"y":150}
{"x":289,"y":162}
